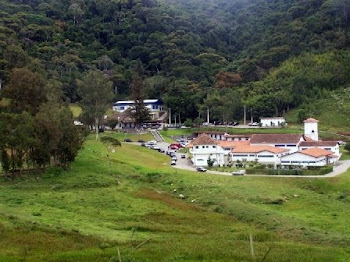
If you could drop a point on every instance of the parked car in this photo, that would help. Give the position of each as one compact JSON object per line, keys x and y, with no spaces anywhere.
{"x":201,"y":169}
{"x":254,"y":124}
{"x":183,"y":156}
{"x":141,"y":141}
{"x":152,"y":142}
{"x":156,"y":148}
{"x":238,"y":173}
{"x":173,"y":163}
{"x":235,"y":123}
{"x":173,"y":158}
{"x":127,"y":140}
{"x":143,"y":144}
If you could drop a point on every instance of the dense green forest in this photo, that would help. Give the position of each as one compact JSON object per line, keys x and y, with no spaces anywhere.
{"x":268,"y":55}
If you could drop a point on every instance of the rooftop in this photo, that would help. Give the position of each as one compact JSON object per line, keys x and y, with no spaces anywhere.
{"x":146,"y":101}
{"x":316,"y":152}
{"x":277,"y":117}
{"x":203,"y":139}
{"x":257,"y":149}
{"x":319,"y":143}
{"x":275,"y":138}
{"x":232,"y":144}
{"x":311,"y":120}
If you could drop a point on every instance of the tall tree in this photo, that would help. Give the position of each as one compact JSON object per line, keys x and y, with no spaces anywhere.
{"x":139,"y":112}
{"x":26,"y":91}
{"x":95,"y":89}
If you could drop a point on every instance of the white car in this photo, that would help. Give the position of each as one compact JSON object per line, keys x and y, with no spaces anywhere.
{"x":152,"y":142}
{"x":254,"y":124}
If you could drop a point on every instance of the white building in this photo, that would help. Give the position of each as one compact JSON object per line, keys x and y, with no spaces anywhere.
{"x":203,"y":148}
{"x":272,"y":121}
{"x":260,"y":154}
{"x":311,"y":128}
{"x":155,"y":107}
{"x":309,"y":157}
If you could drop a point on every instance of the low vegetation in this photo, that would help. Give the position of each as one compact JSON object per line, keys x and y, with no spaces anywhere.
{"x":129,"y":201}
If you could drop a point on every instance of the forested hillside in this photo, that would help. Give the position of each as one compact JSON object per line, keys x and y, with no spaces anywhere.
{"x":268,"y":55}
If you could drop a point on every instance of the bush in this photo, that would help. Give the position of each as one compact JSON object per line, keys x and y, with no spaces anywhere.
{"x":298,"y":172}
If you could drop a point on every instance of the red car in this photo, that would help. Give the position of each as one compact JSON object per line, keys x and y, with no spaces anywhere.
{"x":175,"y":146}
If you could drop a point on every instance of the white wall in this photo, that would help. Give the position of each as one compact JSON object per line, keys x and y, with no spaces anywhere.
{"x":311,"y":130}
{"x":201,"y":154}
{"x":298,"y":159}
{"x":264,"y":157}
{"x":272,"y":122}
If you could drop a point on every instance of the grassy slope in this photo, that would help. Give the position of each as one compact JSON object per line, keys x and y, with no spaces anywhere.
{"x":326,"y":111}
{"x":86,"y":213}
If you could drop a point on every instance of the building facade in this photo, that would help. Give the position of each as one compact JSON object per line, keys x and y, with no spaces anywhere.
{"x":272,"y":121}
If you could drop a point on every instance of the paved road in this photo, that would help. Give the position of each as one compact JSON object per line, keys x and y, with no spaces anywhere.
{"x":186,"y":164}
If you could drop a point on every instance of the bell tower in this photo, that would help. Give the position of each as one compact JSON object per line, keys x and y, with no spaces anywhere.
{"x":311,"y":128}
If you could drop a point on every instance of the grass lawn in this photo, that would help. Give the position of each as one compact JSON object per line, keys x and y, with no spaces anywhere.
{"x":345,"y":153}
{"x":76,"y":110}
{"x":129,"y":200}
{"x":120,"y":135}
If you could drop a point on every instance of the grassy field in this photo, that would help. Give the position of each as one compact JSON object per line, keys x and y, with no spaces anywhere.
{"x":327,"y":112}
{"x":129,"y":201}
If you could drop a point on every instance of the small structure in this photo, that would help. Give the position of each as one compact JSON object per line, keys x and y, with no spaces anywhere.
{"x":272,"y":121}
{"x":311,"y":128}
{"x":310,"y":157}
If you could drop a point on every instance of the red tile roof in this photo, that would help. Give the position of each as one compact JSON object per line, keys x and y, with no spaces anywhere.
{"x":204,"y":139}
{"x":311,"y":120}
{"x":316,"y":152}
{"x":318,"y":143}
{"x":275,"y":138}
{"x":232,"y":144}
{"x":257,"y":149}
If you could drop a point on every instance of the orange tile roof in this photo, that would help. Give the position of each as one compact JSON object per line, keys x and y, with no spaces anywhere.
{"x":311,"y":120}
{"x":203,"y":139}
{"x":316,"y":152}
{"x":257,"y":149}
{"x":232,"y":144}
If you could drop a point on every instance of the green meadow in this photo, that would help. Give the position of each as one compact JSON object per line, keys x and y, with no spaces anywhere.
{"x":128,"y":202}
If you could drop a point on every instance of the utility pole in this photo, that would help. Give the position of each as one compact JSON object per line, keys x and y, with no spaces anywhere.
{"x":251,"y":115}
{"x":245,"y":115}
{"x":169,"y":116}
{"x":208,"y":119}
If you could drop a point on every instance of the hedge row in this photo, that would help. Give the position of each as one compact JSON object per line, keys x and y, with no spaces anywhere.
{"x":299,"y":172}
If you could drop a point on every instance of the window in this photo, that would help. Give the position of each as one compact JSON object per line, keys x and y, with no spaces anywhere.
{"x":214,"y":146}
{"x":196,"y":147}
{"x":291,"y":145}
{"x":155,"y":107}
{"x":203,"y":146}
{"x":327,"y":148}
{"x":206,"y":146}
{"x":239,"y":155}
{"x":121,"y":108}
{"x":279,"y":145}
{"x":251,"y":155}
{"x":265,"y":155}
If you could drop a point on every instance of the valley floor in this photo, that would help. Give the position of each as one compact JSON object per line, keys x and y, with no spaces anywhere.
{"x":133,"y":202}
